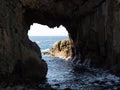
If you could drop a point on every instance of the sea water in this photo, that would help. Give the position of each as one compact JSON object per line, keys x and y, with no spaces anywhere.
{"x":46,"y":42}
{"x":61,"y":74}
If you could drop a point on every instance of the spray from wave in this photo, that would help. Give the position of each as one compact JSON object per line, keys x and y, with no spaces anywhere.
{"x":45,"y":50}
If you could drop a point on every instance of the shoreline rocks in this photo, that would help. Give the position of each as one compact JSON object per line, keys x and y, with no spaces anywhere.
{"x":61,"y":49}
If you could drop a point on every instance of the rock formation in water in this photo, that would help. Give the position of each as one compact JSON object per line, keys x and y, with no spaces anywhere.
{"x":61,"y":49}
{"x":93,"y":27}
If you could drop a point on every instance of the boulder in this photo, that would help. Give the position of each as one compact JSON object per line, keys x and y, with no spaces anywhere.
{"x":60,"y":49}
{"x":32,"y":70}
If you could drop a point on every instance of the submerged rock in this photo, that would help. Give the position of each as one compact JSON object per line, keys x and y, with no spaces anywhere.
{"x":80,"y":67}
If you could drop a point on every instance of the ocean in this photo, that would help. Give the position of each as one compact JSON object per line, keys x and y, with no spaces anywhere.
{"x":62,"y":76}
{"x":46,"y":42}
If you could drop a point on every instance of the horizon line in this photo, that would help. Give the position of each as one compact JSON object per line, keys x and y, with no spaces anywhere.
{"x":46,"y":35}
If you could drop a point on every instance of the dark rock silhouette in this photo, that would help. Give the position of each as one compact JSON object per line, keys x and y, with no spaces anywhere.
{"x":30,"y":70}
{"x":93,"y":27}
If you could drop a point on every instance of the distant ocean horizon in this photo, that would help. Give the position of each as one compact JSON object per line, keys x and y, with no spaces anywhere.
{"x":46,"y":42}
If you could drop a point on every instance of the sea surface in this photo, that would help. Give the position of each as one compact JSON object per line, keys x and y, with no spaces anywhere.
{"x":46,"y":42}
{"x":62,"y":76}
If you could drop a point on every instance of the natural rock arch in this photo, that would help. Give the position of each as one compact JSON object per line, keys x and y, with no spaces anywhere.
{"x":93,"y":28}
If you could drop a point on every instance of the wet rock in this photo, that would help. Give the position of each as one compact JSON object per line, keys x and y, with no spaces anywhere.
{"x":67,"y":89}
{"x":8,"y":88}
{"x":57,"y":85}
{"x":17,"y":88}
{"x":33,"y":86}
{"x":45,"y":87}
{"x":80,"y":68}
{"x":109,"y":83}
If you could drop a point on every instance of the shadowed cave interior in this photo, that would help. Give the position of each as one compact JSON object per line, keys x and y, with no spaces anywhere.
{"x":93,"y":30}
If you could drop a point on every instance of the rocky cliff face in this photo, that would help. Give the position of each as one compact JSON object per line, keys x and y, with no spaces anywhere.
{"x":17,"y":53}
{"x":61,"y":49}
{"x":93,"y":27}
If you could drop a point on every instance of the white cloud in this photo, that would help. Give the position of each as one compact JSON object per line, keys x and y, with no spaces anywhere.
{"x":41,"y":30}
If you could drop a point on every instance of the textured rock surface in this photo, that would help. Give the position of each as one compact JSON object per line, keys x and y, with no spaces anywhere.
{"x":14,"y":43}
{"x":93,"y":27}
{"x":61,"y":49}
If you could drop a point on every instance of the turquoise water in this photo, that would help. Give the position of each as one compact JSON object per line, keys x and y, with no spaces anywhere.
{"x":61,"y":74}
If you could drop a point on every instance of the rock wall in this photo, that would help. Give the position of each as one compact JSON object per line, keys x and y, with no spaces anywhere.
{"x":93,"y":27}
{"x":95,"y":34}
{"x":116,"y":35}
{"x":15,"y":47}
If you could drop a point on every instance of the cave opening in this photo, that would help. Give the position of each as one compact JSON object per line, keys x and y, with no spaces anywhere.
{"x":46,"y":37}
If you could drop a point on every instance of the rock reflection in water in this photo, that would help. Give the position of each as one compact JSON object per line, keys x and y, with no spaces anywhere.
{"x":61,"y":75}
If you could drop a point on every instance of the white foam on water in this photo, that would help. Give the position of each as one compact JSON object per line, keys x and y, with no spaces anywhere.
{"x":45,"y":50}
{"x":37,"y":42}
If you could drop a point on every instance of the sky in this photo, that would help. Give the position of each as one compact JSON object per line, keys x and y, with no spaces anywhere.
{"x":42,"y":30}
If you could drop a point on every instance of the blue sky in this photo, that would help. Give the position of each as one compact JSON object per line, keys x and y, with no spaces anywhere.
{"x":41,"y":30}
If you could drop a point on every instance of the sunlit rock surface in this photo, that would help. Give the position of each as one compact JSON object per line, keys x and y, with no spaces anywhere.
{"x":93,"y":27}
{"x":61,"y":49}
